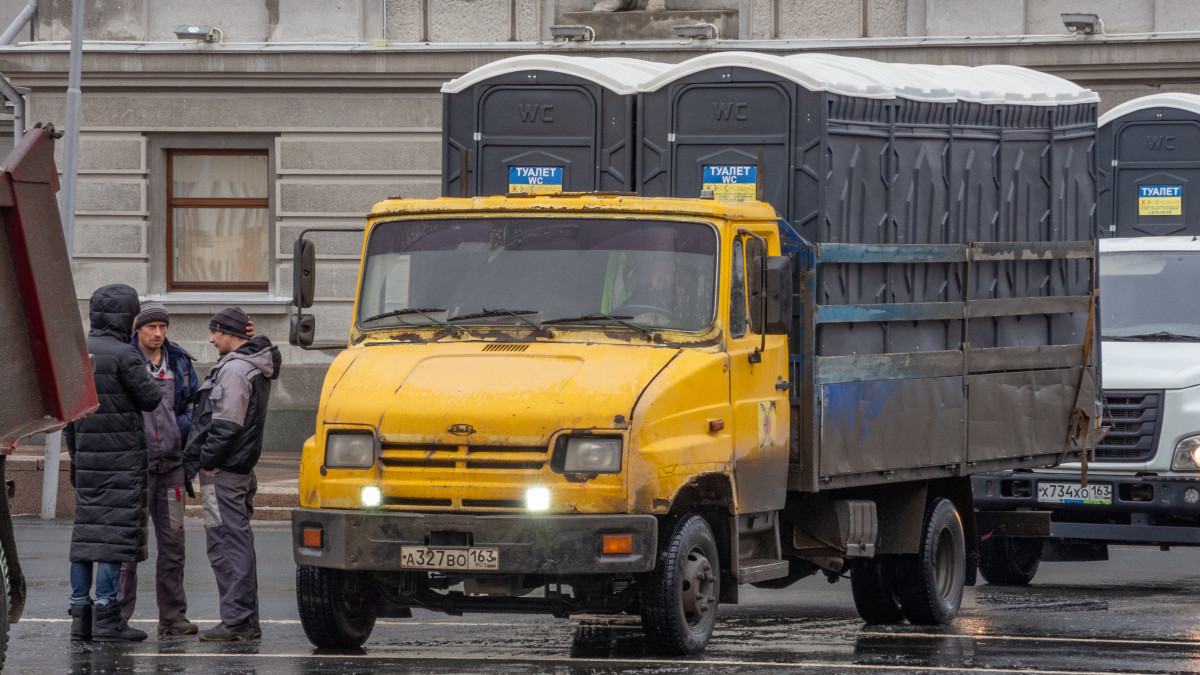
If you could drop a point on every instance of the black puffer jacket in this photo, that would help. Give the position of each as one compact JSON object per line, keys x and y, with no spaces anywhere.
{"x":108,"y":448}
{"x":231,"y":410}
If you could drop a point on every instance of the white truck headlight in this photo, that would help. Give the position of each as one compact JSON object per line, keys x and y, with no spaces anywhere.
{"x":349,"y":450}
{"x":1187,"y":455}
{"x":592,"y":455}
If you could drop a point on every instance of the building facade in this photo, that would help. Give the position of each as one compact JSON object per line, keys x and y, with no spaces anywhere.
{"x":200,"y":161}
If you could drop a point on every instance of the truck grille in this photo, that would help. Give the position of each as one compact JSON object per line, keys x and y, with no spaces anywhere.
{"x":1133,"y":421}
{"x":469,"y":457}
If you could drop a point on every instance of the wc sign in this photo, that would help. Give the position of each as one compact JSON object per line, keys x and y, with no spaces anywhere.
{"x":1160,"y":200}
{"x":733,"y":183}
{"x":538,"y":180}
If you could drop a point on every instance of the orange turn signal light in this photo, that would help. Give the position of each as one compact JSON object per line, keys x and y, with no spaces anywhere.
{"x":617,"y":544}
{"x":312,"y":537}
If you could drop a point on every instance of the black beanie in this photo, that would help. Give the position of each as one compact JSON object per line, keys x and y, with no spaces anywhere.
{"x":231,"y":321}
{"x":151,"y":312}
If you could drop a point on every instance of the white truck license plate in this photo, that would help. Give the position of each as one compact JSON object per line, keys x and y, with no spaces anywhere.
{"x":1074,"y":493}
{"x":450,"y":558}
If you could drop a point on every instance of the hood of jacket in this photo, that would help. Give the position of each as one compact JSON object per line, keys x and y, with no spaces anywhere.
{"x":112,"y":311}
{"x":261,"y":354}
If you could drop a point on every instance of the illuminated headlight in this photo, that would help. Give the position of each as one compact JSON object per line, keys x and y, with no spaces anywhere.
{"x":1187,"y":455}
{"x":592,"y":455}
{"x":349,"y":450}
{"x":537,"y":499}
{"x":371,"y":496}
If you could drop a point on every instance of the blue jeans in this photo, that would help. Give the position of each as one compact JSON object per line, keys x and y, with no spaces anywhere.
{"x":106,"y":583}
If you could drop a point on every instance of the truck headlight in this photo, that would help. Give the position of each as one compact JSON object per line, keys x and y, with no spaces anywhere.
{"x":1187,"y":455}
{"x":589,"y":454}
{"x":349,"y":450}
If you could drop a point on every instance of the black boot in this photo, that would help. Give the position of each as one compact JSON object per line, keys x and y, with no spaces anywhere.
{"x":81,"y":622}
{"x":110,"y":626}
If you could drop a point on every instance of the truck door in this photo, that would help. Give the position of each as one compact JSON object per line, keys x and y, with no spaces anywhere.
{"x":757,"y":393}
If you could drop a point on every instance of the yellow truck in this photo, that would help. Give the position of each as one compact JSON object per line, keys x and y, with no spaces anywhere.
{"x":559,"y":399}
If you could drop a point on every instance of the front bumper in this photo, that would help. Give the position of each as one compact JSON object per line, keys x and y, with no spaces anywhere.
{"x":527,"y":544}
{"x":1144,"y":509}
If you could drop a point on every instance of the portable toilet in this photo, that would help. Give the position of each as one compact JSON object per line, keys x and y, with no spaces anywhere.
{"x":1149,"y":157}
{"x":858,"y":152}
{"x":542,"y":124}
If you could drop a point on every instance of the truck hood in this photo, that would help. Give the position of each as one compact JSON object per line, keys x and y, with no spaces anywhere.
{"x":1150,"y":365}
{"x":491,"y":393}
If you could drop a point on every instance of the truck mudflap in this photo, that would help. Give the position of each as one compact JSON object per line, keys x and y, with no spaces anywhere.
{"x":1128,"y":509}
{"x":524,"y":544}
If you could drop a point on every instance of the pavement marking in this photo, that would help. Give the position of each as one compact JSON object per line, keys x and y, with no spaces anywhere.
{"x":800,"y":631}
{"x":888,"y":667}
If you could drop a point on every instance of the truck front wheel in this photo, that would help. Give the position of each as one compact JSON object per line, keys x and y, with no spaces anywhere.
{"x":679,"y":597}
{"x":929,"y":583}
{"x":874,"y":595}
{"x":336,"y":607}
{"x":1009,"y":561}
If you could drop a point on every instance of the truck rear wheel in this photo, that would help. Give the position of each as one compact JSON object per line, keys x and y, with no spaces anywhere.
{"x":1009,"y":561}
{"x":336,"y":607}
{"x":679,"y":597}
{"x":929,"y":584}
{"x":874,"y":595}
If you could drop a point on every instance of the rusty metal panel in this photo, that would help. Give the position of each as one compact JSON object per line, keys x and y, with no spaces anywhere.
{"x":48,"y":373}
{"x":1022,"y":412}
{"x":882,"y":426}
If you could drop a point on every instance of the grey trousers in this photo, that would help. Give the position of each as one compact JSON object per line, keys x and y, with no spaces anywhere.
{"x":165,"y":500}
{"x":228,"y":500}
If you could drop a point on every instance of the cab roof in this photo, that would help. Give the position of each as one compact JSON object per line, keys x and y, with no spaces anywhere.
{"x":590,"y":203}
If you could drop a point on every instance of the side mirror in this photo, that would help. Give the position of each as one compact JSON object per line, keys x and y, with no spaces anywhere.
{"x":304,"y":263}
{"x":303,"y":330}
{"x":778,"y":295}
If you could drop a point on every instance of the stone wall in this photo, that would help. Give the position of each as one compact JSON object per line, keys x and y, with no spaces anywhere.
{"x":453,"y":21}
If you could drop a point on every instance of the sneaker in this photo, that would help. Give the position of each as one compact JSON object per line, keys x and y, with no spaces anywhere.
{"x":180,"y":627}
{"x":223,"y":632}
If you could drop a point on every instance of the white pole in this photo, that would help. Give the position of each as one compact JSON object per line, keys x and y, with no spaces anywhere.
{"x":70,"y":172}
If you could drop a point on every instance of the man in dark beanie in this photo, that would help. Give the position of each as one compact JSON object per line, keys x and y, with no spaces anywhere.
{"x":166,"y":428}
{"x":108,"y":469}
{"x":223,"y":447}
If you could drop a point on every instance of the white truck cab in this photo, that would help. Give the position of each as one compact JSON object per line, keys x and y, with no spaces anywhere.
{"x":1143,"y":485}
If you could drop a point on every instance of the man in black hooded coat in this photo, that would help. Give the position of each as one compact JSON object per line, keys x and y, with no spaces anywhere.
{"x":108,"y":469}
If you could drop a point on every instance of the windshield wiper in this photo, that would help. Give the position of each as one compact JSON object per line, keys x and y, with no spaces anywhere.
{"x":1161,"y":336}
{"x":454,"y":330}
{"x":502,"y":312}
{"x":598,"y":316}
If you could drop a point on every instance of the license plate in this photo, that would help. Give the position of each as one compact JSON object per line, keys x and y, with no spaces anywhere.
{"x":1074,"y":493}
{"x":450,"y":558}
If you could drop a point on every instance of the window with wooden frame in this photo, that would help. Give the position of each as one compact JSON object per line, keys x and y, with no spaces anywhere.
{"x":218,"y":220}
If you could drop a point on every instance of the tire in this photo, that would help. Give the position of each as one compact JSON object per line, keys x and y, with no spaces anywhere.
{"x":679,"y":597}
{"x":874,"y":595}
{"x":929,"y":584}
{"x":1009,"y":561}
{"x":4,"y":611}
{"x":336,"y":607}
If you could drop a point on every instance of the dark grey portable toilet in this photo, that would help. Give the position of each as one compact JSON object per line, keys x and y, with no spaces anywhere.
{"x":542,"y":124}
{"x":1149,"y":157}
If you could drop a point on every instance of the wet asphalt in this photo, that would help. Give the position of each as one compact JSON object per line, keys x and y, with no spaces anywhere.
{"x":1137,"y":613}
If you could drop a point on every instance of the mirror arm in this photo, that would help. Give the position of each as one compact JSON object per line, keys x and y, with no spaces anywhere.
{"x":295,"y":277}
{"x":756,"y":355}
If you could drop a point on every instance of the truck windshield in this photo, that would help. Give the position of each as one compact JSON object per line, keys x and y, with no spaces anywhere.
{"x":651,"y":273}
{"x":1150,"y":295}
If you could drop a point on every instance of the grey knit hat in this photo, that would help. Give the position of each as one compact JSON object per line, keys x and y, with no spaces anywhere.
{"x":151,"y":312}
{"x":231,"y":321}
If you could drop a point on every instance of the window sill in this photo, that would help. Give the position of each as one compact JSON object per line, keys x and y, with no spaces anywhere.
{"x":265,"y":304}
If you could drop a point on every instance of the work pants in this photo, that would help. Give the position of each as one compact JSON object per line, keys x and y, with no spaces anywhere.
{"x":228,"y":500}
{"x":164,"y":498}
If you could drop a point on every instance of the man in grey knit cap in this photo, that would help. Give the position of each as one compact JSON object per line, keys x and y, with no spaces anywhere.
{"x":223,"y":448}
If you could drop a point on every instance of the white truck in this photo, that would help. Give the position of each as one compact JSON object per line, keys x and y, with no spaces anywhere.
{"x":1142,"y":487}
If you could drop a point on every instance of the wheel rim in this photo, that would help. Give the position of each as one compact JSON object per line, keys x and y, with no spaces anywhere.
{"x":699,"y":583}
{"x":947,"y":567}
{"x":352,"y":597}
